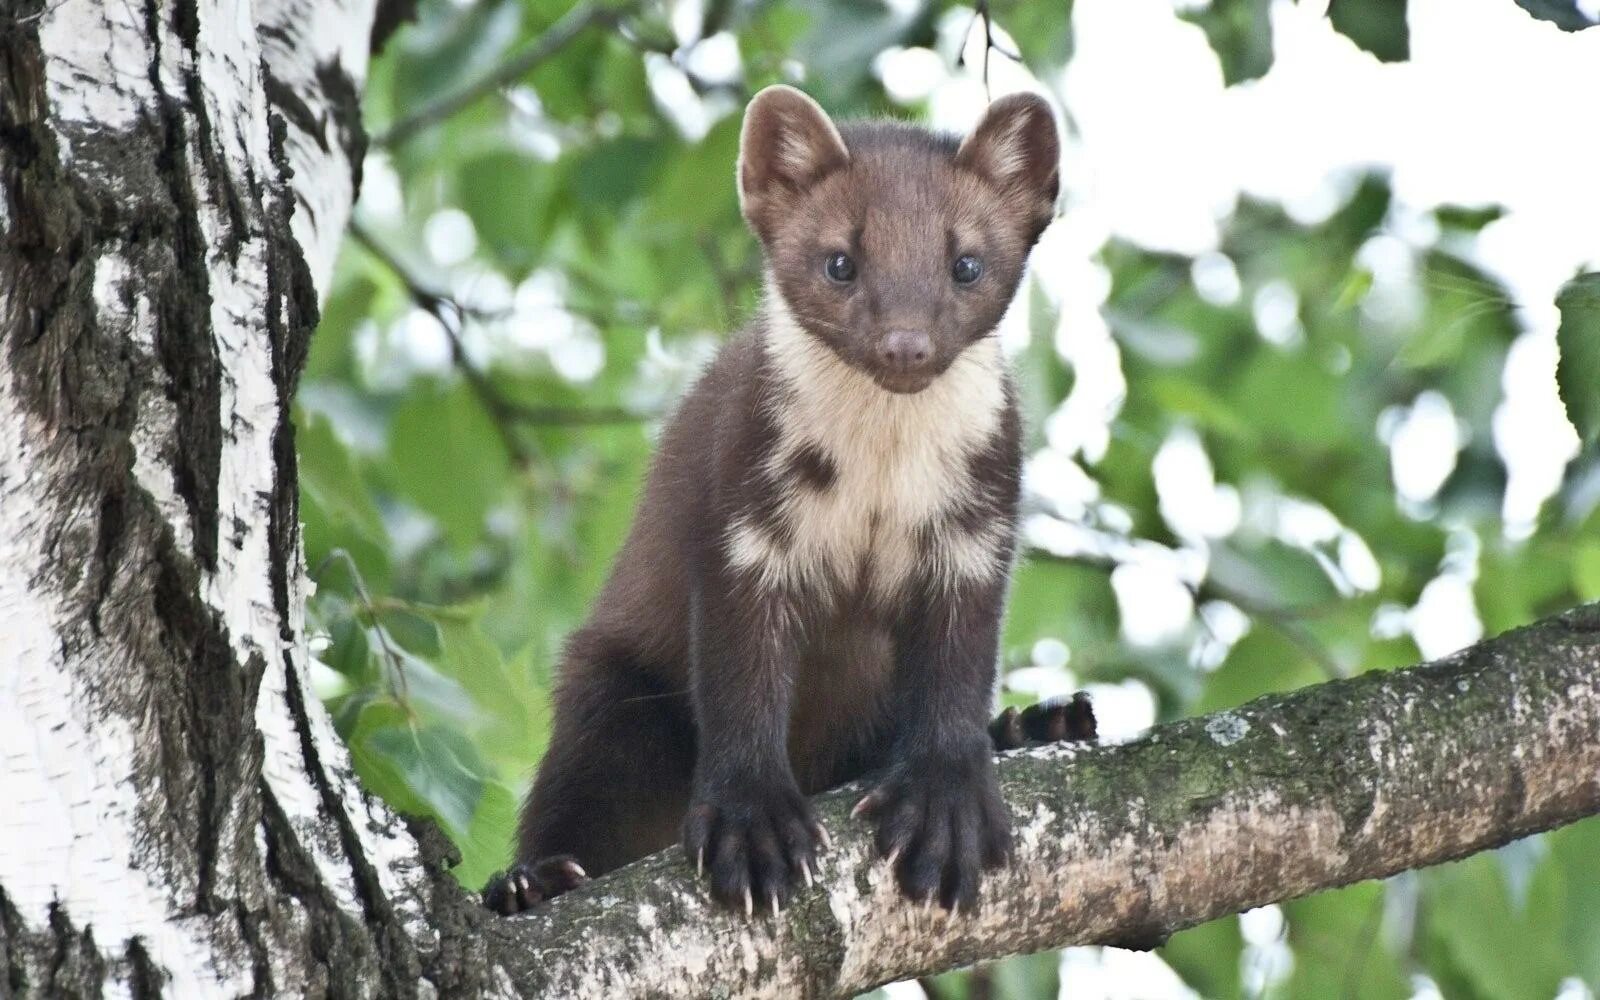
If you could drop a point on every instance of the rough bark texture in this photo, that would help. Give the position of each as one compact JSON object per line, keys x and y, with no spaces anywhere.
{"x":1123,"y":845}
{"x":181,"y":819}
{"x":174,"y":176}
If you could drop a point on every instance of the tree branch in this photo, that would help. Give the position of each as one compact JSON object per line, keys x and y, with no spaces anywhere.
{"x":1349,"y":780}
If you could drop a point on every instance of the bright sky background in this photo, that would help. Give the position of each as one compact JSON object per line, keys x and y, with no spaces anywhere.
{"x":1494,"y":108}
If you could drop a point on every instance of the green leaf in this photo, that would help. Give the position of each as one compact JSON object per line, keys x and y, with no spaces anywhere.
{"x":1043,"y":31}
{"x":352,"y":300}
{"x":447,"y":53}
{"x":1478,"y":937}
{"x":1207,"y":957}
{"x":1339,"y":947}
{"x":486,"y":847}
{"x":336,"y":505}
{"x":328,"y":473}
{"x":1516,"y":586}
{"x":1586,"y":571}
{"x":347,"y":651}
{"x":439,"y":766}
{"x":1261,"y":663}
{"x":1059,"y":600}
{"x":1354,"y":290}
{"x":696,"y":187}
{"x":1569,"y":869}
{"x":445,"y":455}
{"x":511,"y":724}
{"x":1469,"y":319}
{"x":1241,"y":35}
{"x":1269,"y":574}
{"x":379,"y":772}
{"x":1185,"y":396}
{"x":1578,"y":371}
{"x":1379,"y":26}
{"x":608,"y":176}
{"x":514,"y":202}
{"x":1289,"y":397}
{"x":1026,"y":977}
{"x":1465,"y":219}
{"x":845,"y":35}
{"x":1565,"y":14}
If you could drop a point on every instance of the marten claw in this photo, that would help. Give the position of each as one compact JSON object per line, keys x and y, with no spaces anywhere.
{"x":867,"y":806}
{"x":751,"y":844}
{"x":941,"y":822}
{"x":525,"y":886}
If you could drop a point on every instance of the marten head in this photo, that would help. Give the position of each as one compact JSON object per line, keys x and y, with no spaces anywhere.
{"x":895,"y":247}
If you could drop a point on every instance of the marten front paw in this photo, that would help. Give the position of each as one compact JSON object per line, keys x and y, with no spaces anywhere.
{"x":1050,"y":721}
{"x":940,"y":824}
{"x":526,"y":885}
{"x":754,"y":845}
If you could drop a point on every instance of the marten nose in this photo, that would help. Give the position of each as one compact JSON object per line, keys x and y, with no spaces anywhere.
{"x":905,"y":351}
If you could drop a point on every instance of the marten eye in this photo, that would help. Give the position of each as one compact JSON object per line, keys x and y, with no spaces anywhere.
{"x":840,"y":269}
{"x":966,"y":269}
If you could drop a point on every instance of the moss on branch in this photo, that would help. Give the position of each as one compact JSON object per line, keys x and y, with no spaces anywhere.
{"x":1345,"y":781}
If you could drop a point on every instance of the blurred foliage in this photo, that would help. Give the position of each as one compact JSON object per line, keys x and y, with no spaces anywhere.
{"x":1579,"y":341}
{"x":537,"y":275}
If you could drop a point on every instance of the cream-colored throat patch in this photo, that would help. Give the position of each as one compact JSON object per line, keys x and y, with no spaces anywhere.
{"x":899,"y":463}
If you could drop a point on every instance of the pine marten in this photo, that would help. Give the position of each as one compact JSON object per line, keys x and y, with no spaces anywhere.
{"x":813,"y":585}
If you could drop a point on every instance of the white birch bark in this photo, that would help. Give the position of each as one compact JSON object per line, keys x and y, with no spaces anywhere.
{"x":160,"y":271}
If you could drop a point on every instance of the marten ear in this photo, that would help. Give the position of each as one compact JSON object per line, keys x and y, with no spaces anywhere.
{"x":1015,"y":148}
{"x":788,"y":144}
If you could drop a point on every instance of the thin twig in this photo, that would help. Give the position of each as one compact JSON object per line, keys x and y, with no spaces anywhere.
{"x":449,"y":313}
{"x":554,"y":39}
{"x":990,"y":43}
{"x":506,"y":413}
{"x":402,"y":692}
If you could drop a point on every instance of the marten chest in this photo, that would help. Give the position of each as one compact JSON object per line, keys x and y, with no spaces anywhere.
{"x":863,"y":491}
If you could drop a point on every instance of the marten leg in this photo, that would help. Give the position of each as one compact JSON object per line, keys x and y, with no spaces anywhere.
{"x":612,"y":787}
{"x":1050,"y":721}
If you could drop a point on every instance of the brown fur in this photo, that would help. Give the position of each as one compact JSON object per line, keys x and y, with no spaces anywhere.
{"x":735,"y":662}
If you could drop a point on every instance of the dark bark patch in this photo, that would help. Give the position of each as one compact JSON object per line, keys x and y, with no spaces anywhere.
{"x":183,"y":305}
{"x":291,"y":315}
{"x":145,"y":980}
{"x":76,"y":966}
{"x":338,"y":947}
{"x":344,"y":103}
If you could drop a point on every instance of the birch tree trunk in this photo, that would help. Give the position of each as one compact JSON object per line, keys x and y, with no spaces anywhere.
{"x":180,"y":818}
{"x":175,"y":176}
